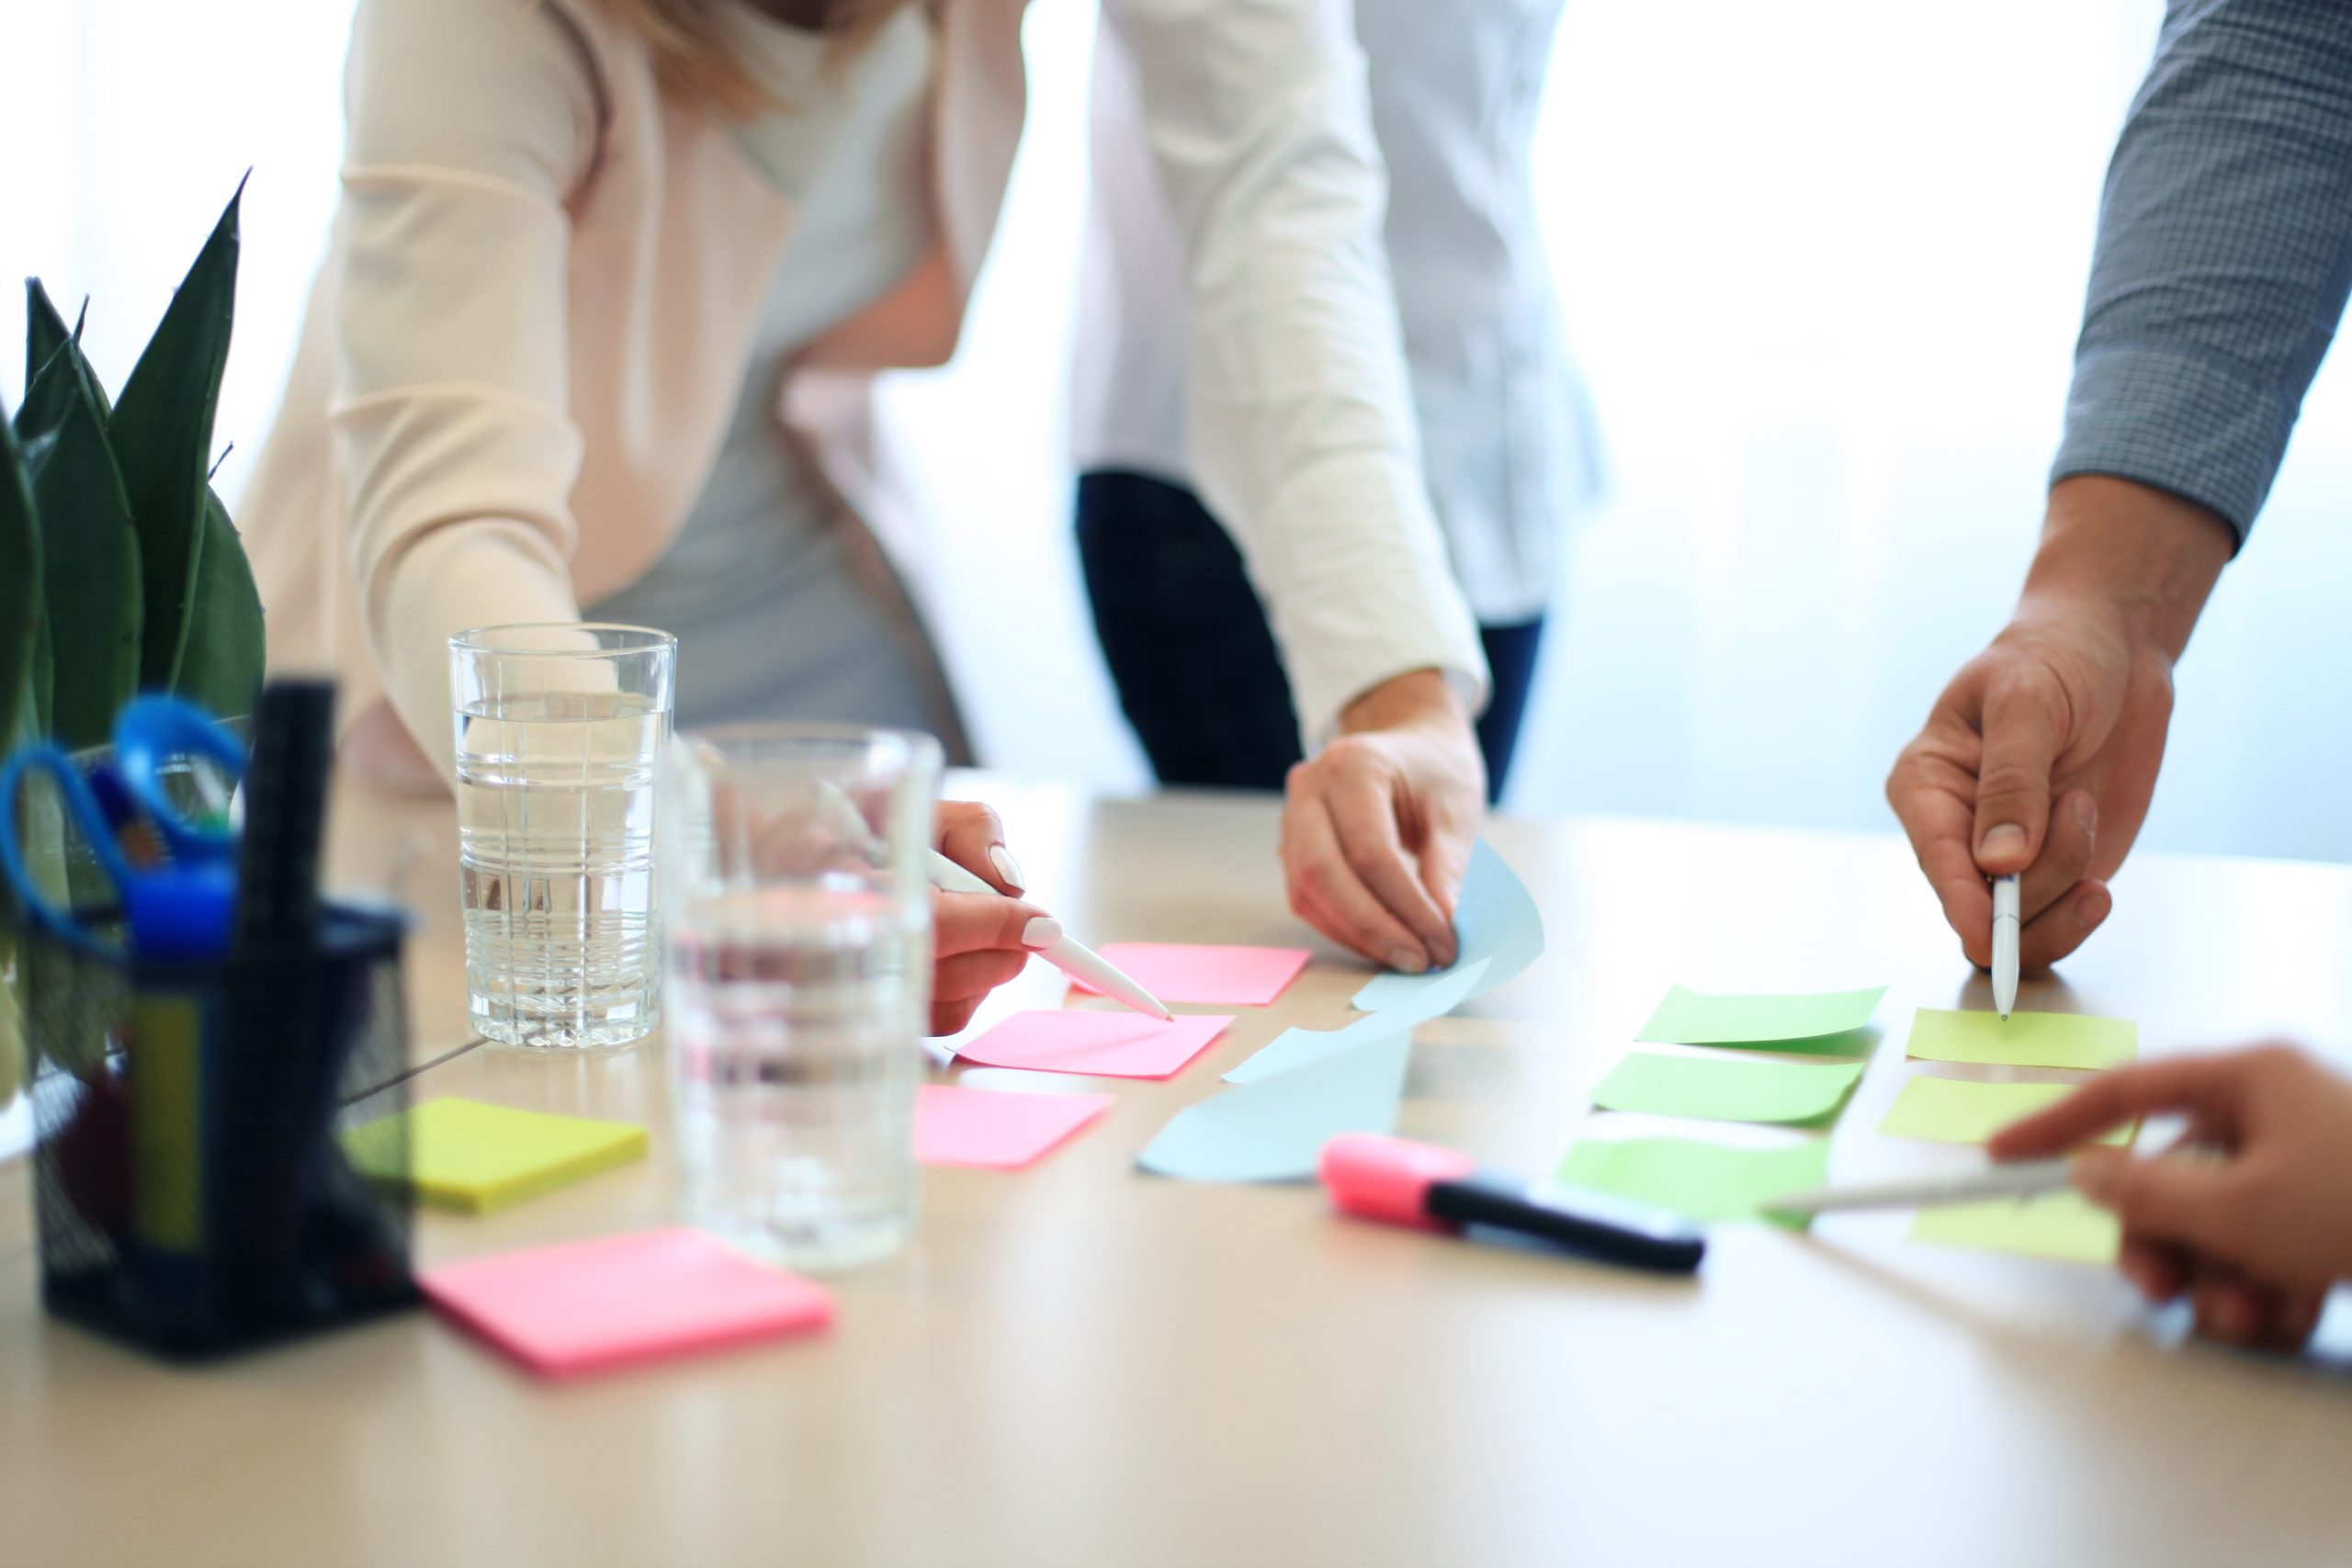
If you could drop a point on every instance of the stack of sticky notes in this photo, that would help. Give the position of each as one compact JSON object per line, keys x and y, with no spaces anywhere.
{"x":593,"y":1306}
{"x":1737,"y":1058}
{"x":1209,"y":974}
{"x":473,"y":1157}
{"x":993,"y":1131}
{"x":2057,"y":1225}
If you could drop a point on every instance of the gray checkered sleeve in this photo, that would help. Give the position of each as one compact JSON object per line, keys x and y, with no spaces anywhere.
{"x":2224,"y":253}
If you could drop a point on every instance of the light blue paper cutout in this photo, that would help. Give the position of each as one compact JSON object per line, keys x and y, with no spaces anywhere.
{"x":1275,"y":1130}
{"x":1494,"y":920}
{"x":1297,"y":1047}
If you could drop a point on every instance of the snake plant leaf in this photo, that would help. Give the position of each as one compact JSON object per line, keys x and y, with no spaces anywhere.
{"x":223,"y":668}
{"x":90,"y":574}
{"x":51,"y":352}
{"x":161,"y":433}
{"x":21,"y":704}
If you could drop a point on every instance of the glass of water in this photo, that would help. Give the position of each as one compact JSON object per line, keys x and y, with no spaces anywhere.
{"x":799,"y":938}
{"x":560,"y":732}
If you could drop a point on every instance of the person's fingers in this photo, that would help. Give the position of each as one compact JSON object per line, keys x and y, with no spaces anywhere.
{"x":1363,"y":818}
{"x":2230,"y":1309}
{"x":2066,"y":859}
{"x":1931,"y":797}
{"x":971,"y":836}
{"x":2058,"y":930}
{"x":2298,"y":1318}
{"x":969,"y":977}
{"x":2195,"y":1202}
{"x":2159,"y":1270}
{"x":953,"y":1018}
{"x":1326,"y":894}
{"x":1445,"y":861}
{"x":2208,"y":1086}
{"x":2024,"y":729}
{"x":971,"y":923}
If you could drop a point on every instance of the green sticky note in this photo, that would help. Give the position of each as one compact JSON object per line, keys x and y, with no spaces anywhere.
{"x":1726,"y":1089}
{"x":464,"y":1154}
{"x":2026,"y":1040}
{"x":2065,"y":1226}
{"x":1693,"y":1018}
{"x":1957,"y":1111}
{"x":1700,"y":1181}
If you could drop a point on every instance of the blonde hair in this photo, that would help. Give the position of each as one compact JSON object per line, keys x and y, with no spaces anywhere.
{"x":692,"y":52}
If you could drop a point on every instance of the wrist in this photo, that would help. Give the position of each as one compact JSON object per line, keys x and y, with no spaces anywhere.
{"x":1416,"y":697}
{"x":2143,"y":556}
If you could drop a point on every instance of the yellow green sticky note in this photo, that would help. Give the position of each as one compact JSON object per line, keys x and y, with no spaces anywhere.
{"x":1700,"y":1181}
{"x":1694,"y":1018}
{"x":2063,"y":1225}
{"x":474,"y":1158}
{"x":1726,"y":1089}
{"x":1959,"y":1111}
{"x":2025,"y":1040}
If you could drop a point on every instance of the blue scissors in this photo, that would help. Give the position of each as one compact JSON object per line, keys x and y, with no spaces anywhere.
{"x":179,"y":909}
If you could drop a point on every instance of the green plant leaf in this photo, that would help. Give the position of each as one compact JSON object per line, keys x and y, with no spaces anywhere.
{"x":162,"y":438}
{"x":45,"y":330}
{"x":52,"y":354}
{"x":23,"y":703}
{"x":90,"y":574}
{"x":223,"y":670}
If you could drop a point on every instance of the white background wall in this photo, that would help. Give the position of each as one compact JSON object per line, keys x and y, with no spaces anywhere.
{"x":1823,"y":260}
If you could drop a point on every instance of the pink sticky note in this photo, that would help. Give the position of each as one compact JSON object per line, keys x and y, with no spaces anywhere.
{"x":1108,"y":1044}
{"x":591,"y":1306}
{"x":996,"y":1131}
{"x":1214,"y":976}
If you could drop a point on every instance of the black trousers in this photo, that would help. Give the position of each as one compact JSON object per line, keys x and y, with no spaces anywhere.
{"x":1190,"y":650}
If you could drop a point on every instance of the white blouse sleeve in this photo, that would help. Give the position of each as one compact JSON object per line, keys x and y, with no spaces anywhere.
{"x":1300,"y":417}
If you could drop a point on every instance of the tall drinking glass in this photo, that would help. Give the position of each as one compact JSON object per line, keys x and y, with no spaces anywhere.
{"x":799,"y":937}
{"x":560,"y":732}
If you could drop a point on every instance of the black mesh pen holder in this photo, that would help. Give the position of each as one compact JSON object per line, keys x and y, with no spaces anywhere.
{"x":193,"y":1191}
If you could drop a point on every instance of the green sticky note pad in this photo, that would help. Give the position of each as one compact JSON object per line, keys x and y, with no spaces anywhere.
{"x":1700,"y":1181}
{"x":2026,"y":1040}
{"x":473,"y":1157}
{"x":1693,"y":1018}
{"x":1726,"y":1089}
{"x":2063,"y":1225}
{"x":1957,"y":1111}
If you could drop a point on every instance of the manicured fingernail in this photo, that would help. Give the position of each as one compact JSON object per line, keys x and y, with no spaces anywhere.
{"x":1008,"y":870}
{"x":1405,"y":961}
{"x":2002,"y":838}
{"x":1042,"y":932}
{"x":2086,"y":814}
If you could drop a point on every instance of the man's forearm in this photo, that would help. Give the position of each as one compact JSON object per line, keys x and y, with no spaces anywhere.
{"x":2151,"y":555}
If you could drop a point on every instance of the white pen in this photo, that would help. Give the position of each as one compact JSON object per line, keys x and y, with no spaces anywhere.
{"x":1067,"y":953}
{"x":2005,"y":946}
{"x":2027,"y":1180}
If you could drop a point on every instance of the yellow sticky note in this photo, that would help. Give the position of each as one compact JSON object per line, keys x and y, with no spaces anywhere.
{"x":2063,"y":1225}
{"x":473,"y":1157}
{"x":2025,"y":1040}
{"x":1959,"y":1111}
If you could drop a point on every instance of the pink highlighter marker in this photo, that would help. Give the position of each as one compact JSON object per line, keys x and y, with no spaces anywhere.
{"x":1429,"y":1188}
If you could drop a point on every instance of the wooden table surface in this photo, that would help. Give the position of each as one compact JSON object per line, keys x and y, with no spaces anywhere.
{"x":1082,"y":1365}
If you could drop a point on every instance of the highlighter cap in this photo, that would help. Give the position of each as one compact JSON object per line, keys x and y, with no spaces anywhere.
{"x":1379,"y":1178}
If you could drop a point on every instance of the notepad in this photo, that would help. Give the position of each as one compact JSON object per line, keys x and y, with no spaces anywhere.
{"x":1726,"y":1089}
{"x":2027,"y":1040}
{"x":1213,"y":977}
{"x":1297,"y":1047}
{"x":1275,"y":1130}
{"x":2063,"y":1225}
{"x":1700,"y":1181}
{"x":996,"y":1130}
{"x":593,"y":1306}
{"x":1494,"y":919}
{"x":1959,"y":1111}
{"x":1694,"y":1018}
{"x":1119,"y":1044}
{"x":473,"y":1157}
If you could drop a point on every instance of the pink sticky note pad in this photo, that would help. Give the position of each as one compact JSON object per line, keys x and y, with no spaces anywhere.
{"x":1119,"y":1044}
{"x":996,"y":1131}
{"x":593,"y":1306}
{"x":1213,"y":977}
